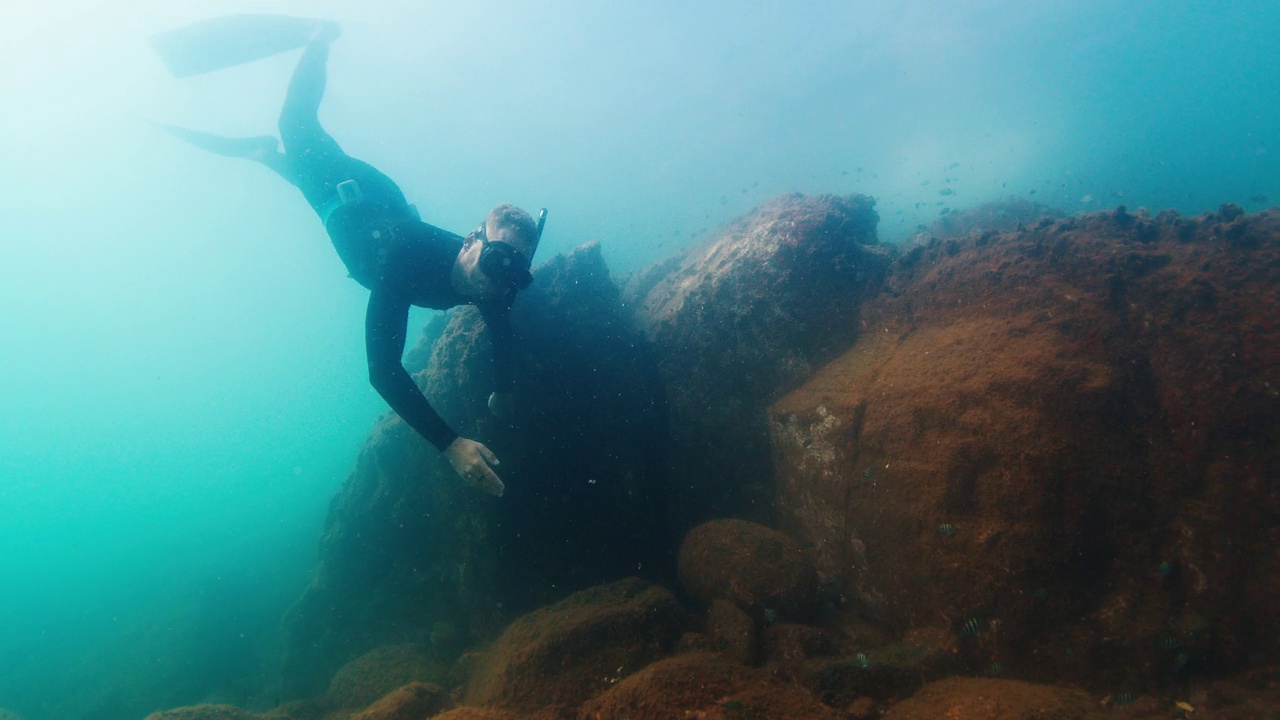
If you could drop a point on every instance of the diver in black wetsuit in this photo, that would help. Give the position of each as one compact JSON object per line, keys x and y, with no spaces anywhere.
{"x":400,"y":259}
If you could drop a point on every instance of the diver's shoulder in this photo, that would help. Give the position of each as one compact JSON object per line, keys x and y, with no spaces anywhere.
{"x":426,"y":231}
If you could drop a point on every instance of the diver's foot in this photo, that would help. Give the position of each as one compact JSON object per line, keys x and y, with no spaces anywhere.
{"x":327,"y":32}
{"x":259,"y":147}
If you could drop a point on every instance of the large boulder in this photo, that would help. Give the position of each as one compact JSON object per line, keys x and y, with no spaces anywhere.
{"x":411,"y":555}
{"x":555,"y":658}
{"x":475,"y":713}
{"x":1047,"y":439}
{"x":739,"y":320}
{"x":375,"y":674}
{"x":704,"y":685}
{"x":203,"y":712}
{"x":758,"y":569}
{"x":988,"y":699}
{"x":415,"y":701}
{"x":1006,"y":215}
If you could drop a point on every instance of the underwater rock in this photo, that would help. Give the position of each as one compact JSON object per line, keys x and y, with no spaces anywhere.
{"x":881,"y":672}
{"x":738,"y":320}
{"x":762,"y":571}
{"x":1091,"y":406}
{"x":787,"y":645}
{"x":998,"y":216}
{"x":410,"y":554}
{"x":557,"y":657}
{"x":1003,"y":699}
{"x":732,"y":631}
{"x":704,"y":685}
{"x":203,"y":712}
{"x":306,"y":709}
{"x":410,"y":702}
{"x":375,"y":674}
{"x":474,"y":713}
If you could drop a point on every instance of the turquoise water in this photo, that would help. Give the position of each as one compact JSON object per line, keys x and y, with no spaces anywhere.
{"x":182,"y":368}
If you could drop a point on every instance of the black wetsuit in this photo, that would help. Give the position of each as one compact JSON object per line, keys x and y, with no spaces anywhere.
{"x":400,"y":259}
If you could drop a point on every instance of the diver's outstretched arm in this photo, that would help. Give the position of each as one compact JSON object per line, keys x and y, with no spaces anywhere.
{"x":263,"y":149}
{"x":385,"y":328}
{"x":385,"y":323}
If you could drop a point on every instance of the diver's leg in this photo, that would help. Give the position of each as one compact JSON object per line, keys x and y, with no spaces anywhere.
{"x":300,"y":117}
{"x":263,"y":149}
{"x":314,"y":157}
{"x":248,"y":148}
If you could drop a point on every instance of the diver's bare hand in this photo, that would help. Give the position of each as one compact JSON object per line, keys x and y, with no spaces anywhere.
{"x":474,"y":463}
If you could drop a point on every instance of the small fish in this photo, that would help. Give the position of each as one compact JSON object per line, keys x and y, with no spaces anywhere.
{"x":1184,"y":706}
{"x":1040,"y":593}
{"x":953,"y":166}
{"x":971,"y":627}
{"x":1259,"y":198}
{"x":946,"y":191}
{"x":1164,"y":568}
{"x":1170,"y":643}
{"x":868,"y":473}
{"x":770,"y":615}
{"x":861,"y":660}
{"x":1086,"y":199}
{"x":1123,"y":698}
{"x":995,"y":669}
{"x":948,"y":530}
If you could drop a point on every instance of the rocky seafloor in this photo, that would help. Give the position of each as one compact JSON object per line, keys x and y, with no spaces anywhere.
{"x":1026,"y":466}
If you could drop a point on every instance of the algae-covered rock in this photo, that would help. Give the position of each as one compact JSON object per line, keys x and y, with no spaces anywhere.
{"x":732,"y":631}
{"x":477,"y":713}
{"x":740,"y":319}
{"x":411,"y":554}
{"x":706,"y":686}
{"x":414,"y":701}
{"x":376,"y":673}
{"x":754,"y":567}
{"x":882,"y":672}
{"x":556,"y":657}
{"x":988,"y":699}
{"x":787,"y":645}
{"x":1046,"y":443}
{"x":204,"y":712}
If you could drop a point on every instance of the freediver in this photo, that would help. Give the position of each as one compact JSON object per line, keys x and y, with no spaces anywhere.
{"x":401,"y":260}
